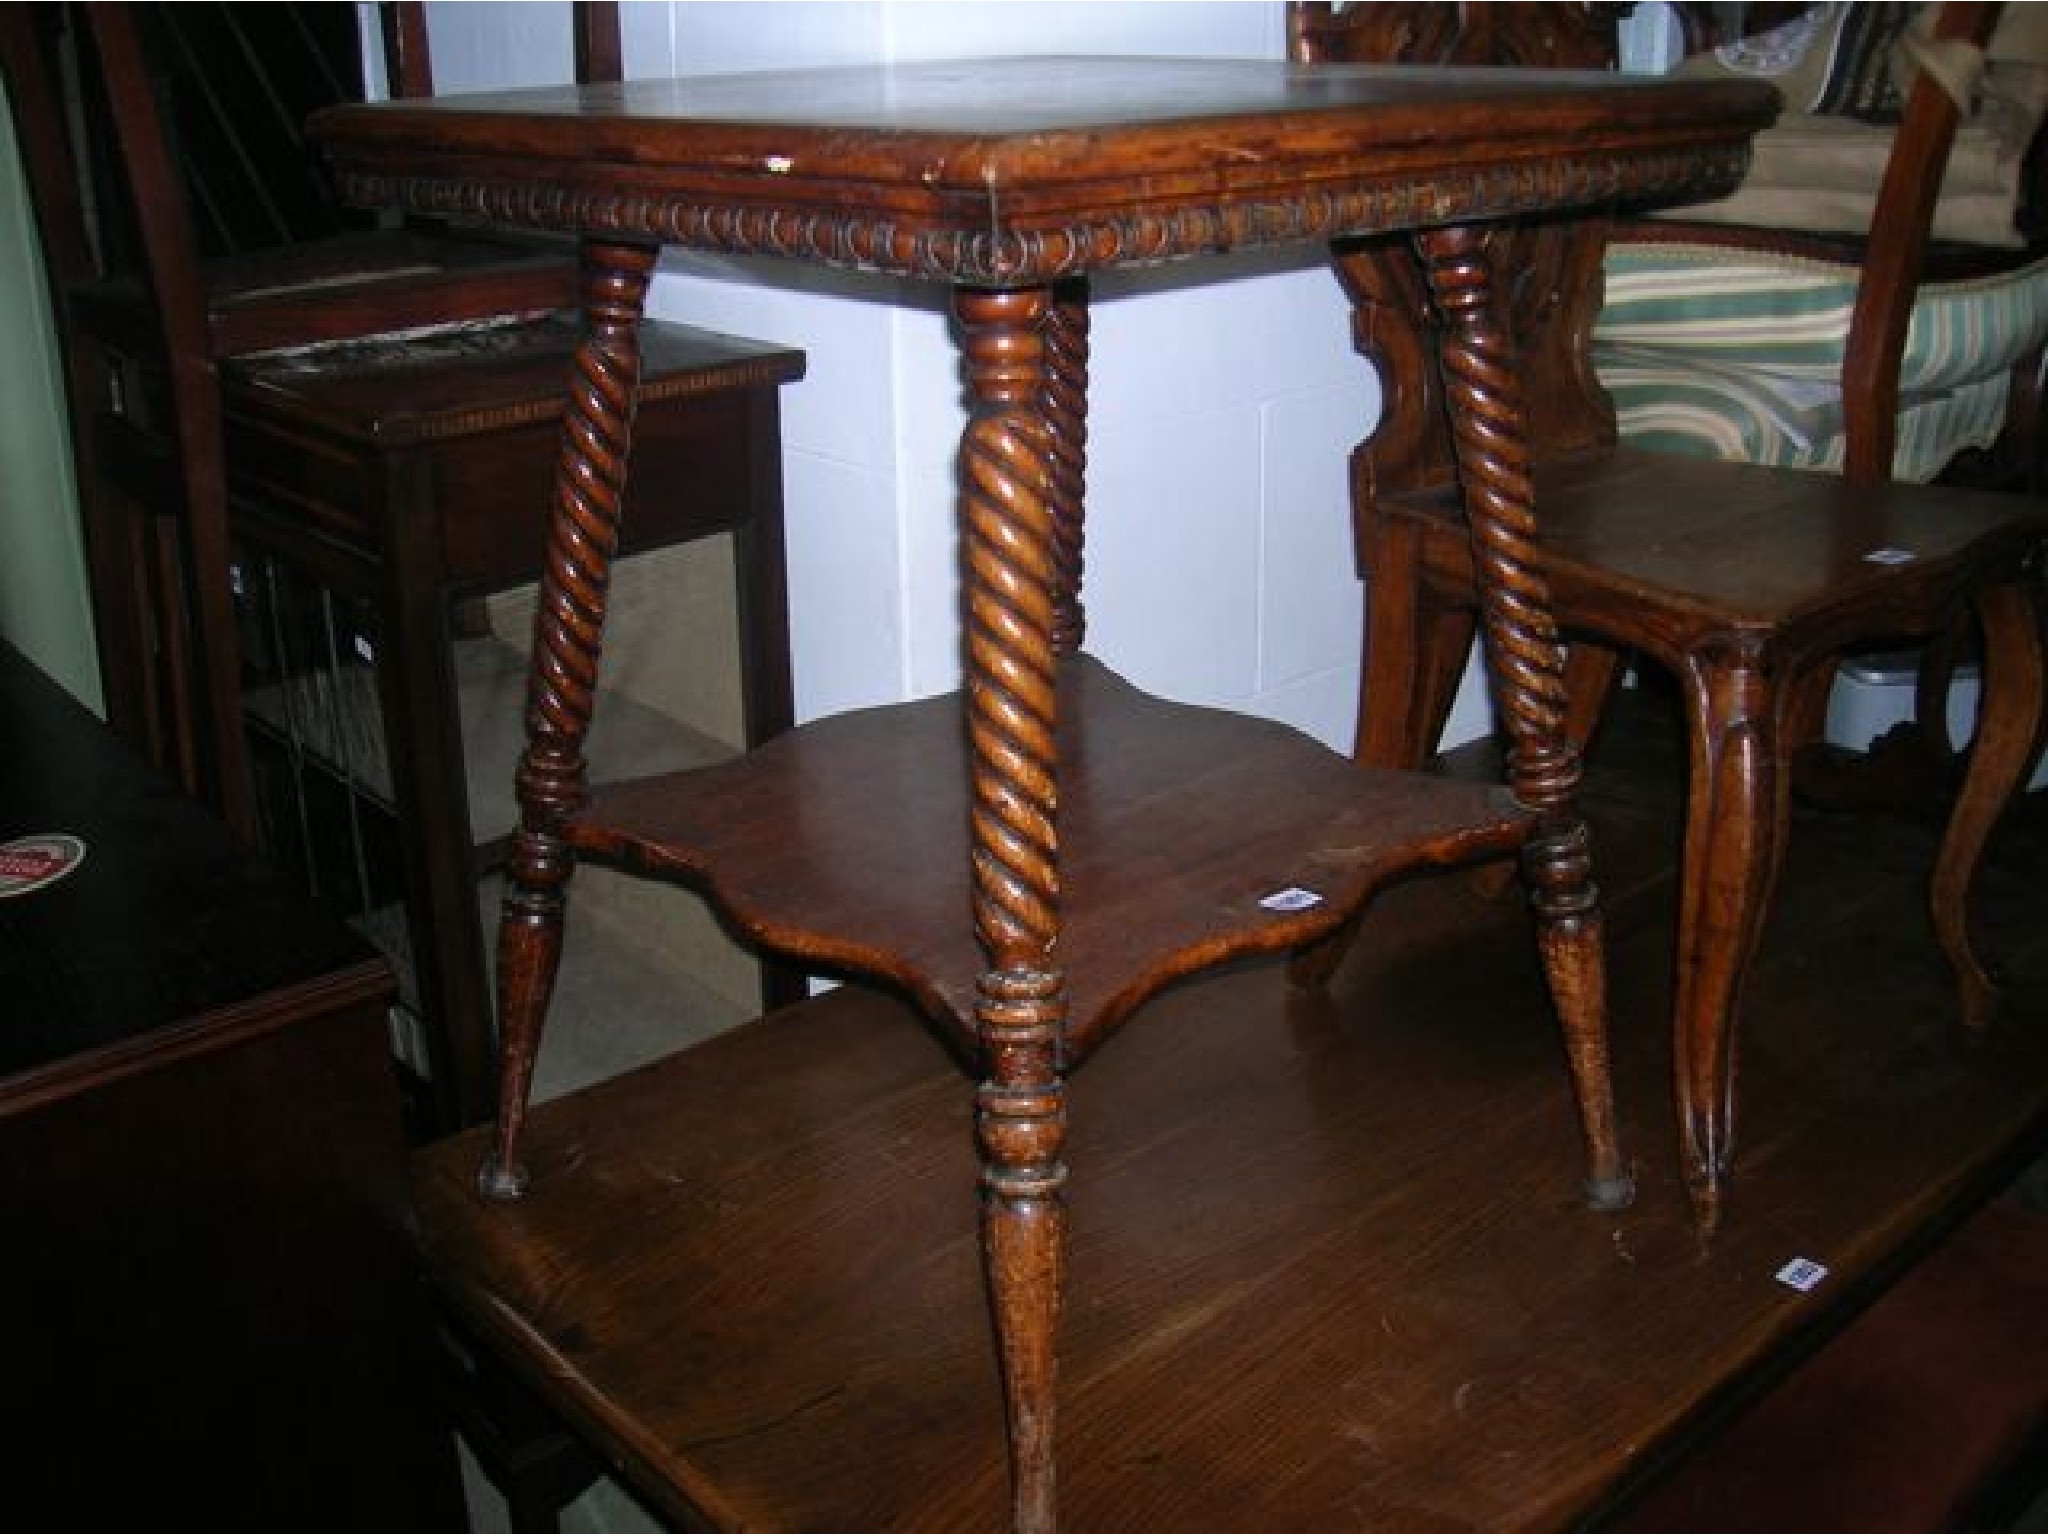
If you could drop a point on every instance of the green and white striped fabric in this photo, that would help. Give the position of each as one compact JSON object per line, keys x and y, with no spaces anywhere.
{"x":1729,"y":354}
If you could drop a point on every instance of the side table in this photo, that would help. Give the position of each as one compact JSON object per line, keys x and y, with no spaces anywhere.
{"x":399,"y":476}
{"x":1036,"y":858}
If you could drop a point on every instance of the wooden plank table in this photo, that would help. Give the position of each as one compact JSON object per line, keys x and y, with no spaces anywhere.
{"x":1326,"y":1274}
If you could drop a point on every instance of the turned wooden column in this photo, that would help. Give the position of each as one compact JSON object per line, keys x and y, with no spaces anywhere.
{"x":1526,"y":662}
{"x":552,"y":780}
{"x":1066,"y":414}
{"x":1010,"y":548}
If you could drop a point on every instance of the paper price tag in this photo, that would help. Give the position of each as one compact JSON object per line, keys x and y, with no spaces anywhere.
{"x":1293,"y":899}
{"x":1802,"y":1274}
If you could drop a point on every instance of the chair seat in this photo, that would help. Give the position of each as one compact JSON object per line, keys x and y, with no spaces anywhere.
{"x":1664,"y":551}
{"x":1726,"y":353}
{"x":1747,"y":582}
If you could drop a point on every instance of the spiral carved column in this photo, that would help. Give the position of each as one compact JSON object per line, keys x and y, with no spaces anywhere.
{"x":1008,"y":535}
{"x":1066,"y":409}
{"x":583,"y":531}
{"x":1526,"y":657}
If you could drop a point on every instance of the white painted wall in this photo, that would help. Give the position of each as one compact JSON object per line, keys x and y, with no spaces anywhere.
{"x":1220,"y":564}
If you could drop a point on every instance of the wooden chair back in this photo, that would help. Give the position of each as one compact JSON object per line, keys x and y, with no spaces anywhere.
{"x":1550,"y":269}
{"x":1558,"y":292}
{"x":214,"y":233}
{"x":1897,"y":253}
{"x":1894,"y":257}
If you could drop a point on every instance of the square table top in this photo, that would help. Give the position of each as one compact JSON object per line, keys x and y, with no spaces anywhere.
{"x":1011,"y":171}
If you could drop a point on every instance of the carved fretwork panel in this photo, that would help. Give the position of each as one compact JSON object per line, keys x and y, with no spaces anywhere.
{"x":1537,"y":36}
{"x":1549,"y":272}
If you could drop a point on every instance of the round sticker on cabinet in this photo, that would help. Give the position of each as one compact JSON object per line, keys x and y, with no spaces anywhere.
{"x":30,"y":863}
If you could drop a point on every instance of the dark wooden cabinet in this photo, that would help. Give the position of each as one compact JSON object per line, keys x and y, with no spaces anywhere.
{"x":212,"y":1315}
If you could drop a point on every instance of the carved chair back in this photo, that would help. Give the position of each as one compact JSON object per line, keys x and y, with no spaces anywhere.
{"x":1548,"y":272}
{"x":1553,"y":278}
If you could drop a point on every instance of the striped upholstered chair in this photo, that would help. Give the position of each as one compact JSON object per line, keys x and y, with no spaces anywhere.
{"x":1872,"y":302}
{"x":1868,"y":302}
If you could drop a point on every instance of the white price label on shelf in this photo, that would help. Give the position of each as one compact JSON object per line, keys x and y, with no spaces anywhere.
{"x":1293,"y":899}
{"x":1802,"y":1274}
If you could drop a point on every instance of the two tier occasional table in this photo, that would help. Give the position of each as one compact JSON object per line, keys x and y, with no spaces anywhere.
{"x":1036,"y":858}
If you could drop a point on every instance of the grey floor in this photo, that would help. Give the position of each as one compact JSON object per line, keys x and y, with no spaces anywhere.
{"x":606,"y":1507}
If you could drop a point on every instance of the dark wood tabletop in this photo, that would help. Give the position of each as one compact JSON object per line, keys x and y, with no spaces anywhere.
{"x":1016,"y":170}
{"x":1324,"y":1275}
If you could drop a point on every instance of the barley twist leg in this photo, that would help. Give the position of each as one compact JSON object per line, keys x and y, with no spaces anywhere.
{"x":1066,"y":407}
{"x":1010,"y":543}
{"x":1526,"y":662}
{"x":583,"y":530}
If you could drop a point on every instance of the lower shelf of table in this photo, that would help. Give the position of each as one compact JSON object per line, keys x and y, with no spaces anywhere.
{"x":1328,"y":1270}
{"x":1187,"y":836}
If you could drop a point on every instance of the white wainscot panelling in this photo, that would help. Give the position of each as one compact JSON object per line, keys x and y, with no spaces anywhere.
{"x":931,"y":578}
{"x":1174,"y":341}
{"x":950,"y":29}
{"x":1172,"y":555}
{"x":489,"y":45}
{"x":845,"y":636}
{"x":703,"y":36}
{"x":844,"y":323}
{"x":1311,"y":601}
{"x":1472,"y":713}
{"x":1324,"y":706}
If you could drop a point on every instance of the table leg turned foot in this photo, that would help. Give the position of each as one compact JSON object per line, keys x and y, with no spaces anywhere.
{"x":1011,"y":511}
{"x":1021,"y":1124}
{"x":1557,"y":869}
